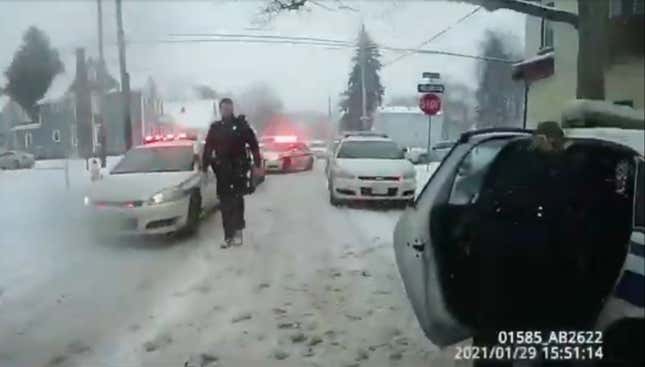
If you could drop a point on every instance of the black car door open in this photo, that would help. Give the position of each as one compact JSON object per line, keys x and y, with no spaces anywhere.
{"x":428,"y":233}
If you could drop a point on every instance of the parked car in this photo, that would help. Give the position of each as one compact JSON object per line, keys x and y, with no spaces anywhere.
{"x":440,"y":150}
{"x":333,"y":144}
{"x":318,"y":148}
{"x":478,"y":252}
{"x":286,"y":154}
{"x":370,"y":168}
{"x":15,"y":159}
{"x":416,"y":155}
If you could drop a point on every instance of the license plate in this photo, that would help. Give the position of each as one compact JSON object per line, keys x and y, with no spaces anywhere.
{"x":379,"y":190}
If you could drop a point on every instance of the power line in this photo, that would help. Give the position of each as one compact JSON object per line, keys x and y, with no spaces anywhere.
{"x":262,"y":36}
{"x":455,"y":54}
{"x":308,"y":41}
{"x":249,"y":40}
{"x":334,"y":45}
{"x":436,"y":35}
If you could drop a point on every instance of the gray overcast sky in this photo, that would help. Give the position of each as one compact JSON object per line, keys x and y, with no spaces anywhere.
{"x":302,"y":75}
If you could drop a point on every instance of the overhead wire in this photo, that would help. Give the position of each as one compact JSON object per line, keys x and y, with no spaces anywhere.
{"x":436,"y":35}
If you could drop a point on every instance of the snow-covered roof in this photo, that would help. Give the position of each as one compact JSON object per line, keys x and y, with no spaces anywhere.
{"x":14,"y":114}
{"x":57,"y":89}
{"x":588,"y":113}
{"x":399,"y":109}
{"x":366,"y":138}
{"x":634,"y":139}
{"x":32,"y":126}
{"x":531,"y":60}
{"x":195,"y":114}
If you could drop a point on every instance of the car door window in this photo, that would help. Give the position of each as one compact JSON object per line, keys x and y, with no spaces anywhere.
{"x":471,"y":171}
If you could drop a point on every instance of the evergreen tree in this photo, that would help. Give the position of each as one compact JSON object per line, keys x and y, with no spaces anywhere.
{"x":352,"y":101}
{"x":32,"y":70}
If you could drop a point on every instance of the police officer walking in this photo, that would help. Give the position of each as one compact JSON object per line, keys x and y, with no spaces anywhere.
{"x":226,"y":152}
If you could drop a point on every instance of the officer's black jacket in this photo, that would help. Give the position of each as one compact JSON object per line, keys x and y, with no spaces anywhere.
{"x":226,"y":151}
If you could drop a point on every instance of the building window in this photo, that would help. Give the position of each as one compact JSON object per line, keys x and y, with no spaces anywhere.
{"x":56,"y":136}
{"x":546,"y":32}
{"x":615,"y":8}
{"x":626,"y":8}
{"x":28,"y":139}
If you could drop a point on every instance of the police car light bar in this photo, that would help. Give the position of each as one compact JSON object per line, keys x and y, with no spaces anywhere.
{"x":285,"y":139}
{"x":169,"y":137}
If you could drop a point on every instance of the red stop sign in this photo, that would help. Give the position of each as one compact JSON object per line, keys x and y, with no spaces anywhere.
{"x":430,"y":104}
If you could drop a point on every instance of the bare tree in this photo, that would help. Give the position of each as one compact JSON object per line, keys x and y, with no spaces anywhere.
{"x":499,"y":97}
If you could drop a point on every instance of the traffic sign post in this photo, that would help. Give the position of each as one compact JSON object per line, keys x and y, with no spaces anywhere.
{"x":430,"y":104}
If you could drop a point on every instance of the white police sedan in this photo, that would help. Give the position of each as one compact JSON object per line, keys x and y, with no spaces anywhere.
{"x":370,"y":168}
{"x":156,"y":188}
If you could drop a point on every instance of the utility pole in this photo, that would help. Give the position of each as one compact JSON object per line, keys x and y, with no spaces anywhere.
{"x":363,"y":61}
{"x":101,"y":73}
{"x":125,"y":78}
{"x":99,"y":9}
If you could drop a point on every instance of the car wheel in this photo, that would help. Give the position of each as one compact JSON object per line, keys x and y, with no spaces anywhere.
{"x":286,"y":164}
{"x":194,"y":212}
{"x":332,"y":198}
{"x":310,"y":165}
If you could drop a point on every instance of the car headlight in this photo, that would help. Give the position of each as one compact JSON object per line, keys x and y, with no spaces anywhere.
{"x":87,"y":201}
{"x":166,"y":195}
{"x":409,"y":175}
{"x":340,"y":173}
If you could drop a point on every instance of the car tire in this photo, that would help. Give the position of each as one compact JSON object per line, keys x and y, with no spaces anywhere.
{"x":286,"y":164}
{"x":310,"y":165}
{"x":332,"y":198}
{"x":194,"y":212}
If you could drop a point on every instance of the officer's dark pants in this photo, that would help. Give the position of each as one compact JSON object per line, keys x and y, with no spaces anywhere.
{"x":232,"y":208}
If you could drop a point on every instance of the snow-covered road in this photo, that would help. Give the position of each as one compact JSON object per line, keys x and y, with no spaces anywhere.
{"x":313,"y":286}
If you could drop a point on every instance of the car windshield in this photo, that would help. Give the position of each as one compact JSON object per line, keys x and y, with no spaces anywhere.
{"x":158,"y":159}
{"x":370,"y":150}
